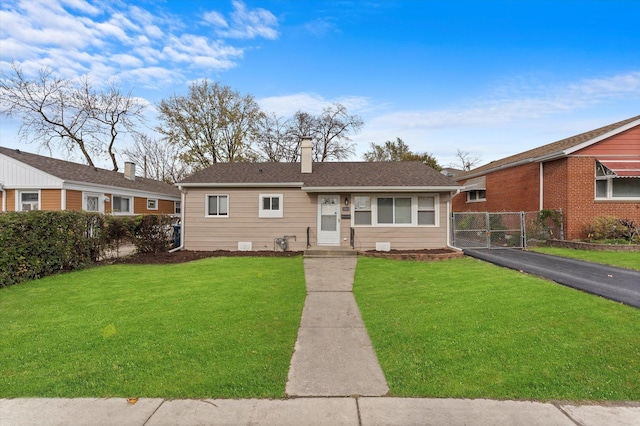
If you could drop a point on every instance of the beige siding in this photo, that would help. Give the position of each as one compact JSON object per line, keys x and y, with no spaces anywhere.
{"x":243,"y":223}
{"x":300,"y":212}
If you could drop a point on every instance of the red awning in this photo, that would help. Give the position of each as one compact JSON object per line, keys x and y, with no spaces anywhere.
{"x":623,"y":168}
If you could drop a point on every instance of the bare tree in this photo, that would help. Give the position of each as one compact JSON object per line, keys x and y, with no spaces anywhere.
{"x":332,"y":131}
{"x":211,"y":124}
{"x":158,"y":159}
{"x":68,"y":113}
{"x":399,"y":151}
{"x":113,"y":112}
{"x":466,"y":160}
{"x":277,"y":140}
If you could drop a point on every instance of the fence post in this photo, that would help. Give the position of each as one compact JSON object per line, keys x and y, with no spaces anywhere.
{"x":523,"y":229}
{"x":488,"y":229}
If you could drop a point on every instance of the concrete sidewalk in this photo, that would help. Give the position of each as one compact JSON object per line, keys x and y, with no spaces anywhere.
{"x":333,"y":354}
{"x":364,"y":411}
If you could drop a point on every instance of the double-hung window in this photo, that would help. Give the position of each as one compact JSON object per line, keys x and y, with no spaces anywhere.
{"x":362,"y":210}
{"x":121,"y":204}
{"x":270,"y":205}
{"x":29,"y":201}
{"x":427,"y":210}
{"x":217,"y":206}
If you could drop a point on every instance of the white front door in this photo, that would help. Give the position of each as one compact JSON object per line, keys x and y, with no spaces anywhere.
{"x":329,"y":220}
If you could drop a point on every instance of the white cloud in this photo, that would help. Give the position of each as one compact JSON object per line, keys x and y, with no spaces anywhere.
{"x":245,"y":23}
{"x":117,"y":38}
{"x":312,"y":103}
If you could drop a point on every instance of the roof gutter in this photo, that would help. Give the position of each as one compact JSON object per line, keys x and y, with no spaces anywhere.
{"x":241,"y":185}
{"x":495,"y":169}
{"x":329,"y":189}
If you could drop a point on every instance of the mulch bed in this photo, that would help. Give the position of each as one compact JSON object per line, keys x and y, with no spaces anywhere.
{"x":424,"y":255}
{"x":188,"y":255}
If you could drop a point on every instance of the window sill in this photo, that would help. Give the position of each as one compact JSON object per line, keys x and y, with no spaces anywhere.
{"x":617,"y":200}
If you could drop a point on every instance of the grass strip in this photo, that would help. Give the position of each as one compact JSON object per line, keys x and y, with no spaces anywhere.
{"x":629,"y":260}
{"x":220,"y":327}
{"x":467,"y":329}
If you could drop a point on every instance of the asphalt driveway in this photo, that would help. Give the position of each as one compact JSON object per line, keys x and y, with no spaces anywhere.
{"x":621,"y":285}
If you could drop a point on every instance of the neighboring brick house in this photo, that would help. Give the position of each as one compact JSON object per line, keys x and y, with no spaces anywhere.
{"x":253,"y":206}
{"x":596,"y":173}
{"x":35,"y":182}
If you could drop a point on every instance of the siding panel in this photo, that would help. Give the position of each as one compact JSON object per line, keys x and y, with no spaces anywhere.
{"x":299,"y":212}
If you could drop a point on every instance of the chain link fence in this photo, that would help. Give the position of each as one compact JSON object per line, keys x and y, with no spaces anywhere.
{"x":504,"y":229}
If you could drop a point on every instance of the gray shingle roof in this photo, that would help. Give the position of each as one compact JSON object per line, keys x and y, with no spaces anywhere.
{"x":329,"y":174}
{"x":75,"y":172}
{"x":561,"y":145}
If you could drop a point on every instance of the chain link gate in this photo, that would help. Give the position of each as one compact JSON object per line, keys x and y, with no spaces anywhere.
{"x":504,"y":229}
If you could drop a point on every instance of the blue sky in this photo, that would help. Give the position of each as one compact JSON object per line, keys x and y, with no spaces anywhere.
{"x":488,"y":77}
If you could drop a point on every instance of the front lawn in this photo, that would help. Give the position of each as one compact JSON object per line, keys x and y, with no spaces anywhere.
{"x":622,"y":259}
{"x":467,"y":329}
{"x":220,"y":327}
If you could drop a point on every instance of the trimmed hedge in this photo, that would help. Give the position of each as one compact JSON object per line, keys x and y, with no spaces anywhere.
{"x":40,"y":243}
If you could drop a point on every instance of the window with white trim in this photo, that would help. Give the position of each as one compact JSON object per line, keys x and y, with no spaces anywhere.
{"x":29,"y":201}
{"x":217,"y":205}
{"x":152,"y":204}
{"x":476,"y":195}
{"x":361,"y":210}
{"x":270,"y":205}
{"x":427,"y":210}
{"x":177,"y":206}
{"x":609,"y":186}
{"x":121,"y":204}
{"x":91,"y":202}
{"x":395,"y":210}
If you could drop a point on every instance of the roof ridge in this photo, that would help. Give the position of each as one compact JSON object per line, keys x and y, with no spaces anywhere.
{"x":549,"y":148}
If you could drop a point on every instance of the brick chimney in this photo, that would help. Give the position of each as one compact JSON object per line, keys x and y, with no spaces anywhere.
{"x":129,"y":170}
{"x":306,"y":157}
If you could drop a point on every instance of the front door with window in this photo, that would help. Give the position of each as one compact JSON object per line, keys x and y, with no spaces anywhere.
{"x":329,"y":220}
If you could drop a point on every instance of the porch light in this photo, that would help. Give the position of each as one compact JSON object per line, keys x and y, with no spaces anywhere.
{"x":346,"y":201}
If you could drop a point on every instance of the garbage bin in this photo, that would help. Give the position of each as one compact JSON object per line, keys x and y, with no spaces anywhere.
{"x":176,"y":235}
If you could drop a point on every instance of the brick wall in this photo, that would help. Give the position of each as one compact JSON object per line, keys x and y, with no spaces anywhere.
{"x":582,"y":208}
{"x":511,"y":190}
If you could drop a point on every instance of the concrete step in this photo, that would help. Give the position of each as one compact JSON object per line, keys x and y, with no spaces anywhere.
{"x":330,"y":252}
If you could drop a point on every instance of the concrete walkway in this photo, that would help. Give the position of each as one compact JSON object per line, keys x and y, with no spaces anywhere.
{"x":333,"y":354}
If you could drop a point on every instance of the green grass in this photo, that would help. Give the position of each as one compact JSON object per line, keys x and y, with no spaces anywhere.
{"x":466,"y":329}
{"x":220,"y":327}
{"x":629,"y":260}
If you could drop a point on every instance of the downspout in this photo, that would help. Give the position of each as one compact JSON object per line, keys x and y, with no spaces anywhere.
{"x":449,"y":221}
{"x":182,"y":209}
{"x":4,"y":198}
{"x":541,"y":186}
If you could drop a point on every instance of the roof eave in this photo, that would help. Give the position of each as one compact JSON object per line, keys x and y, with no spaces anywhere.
{"x":70,"y":184}
{"x":240,"y":185}
{"x":430,"y":188}
{"x":602,"y":137}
